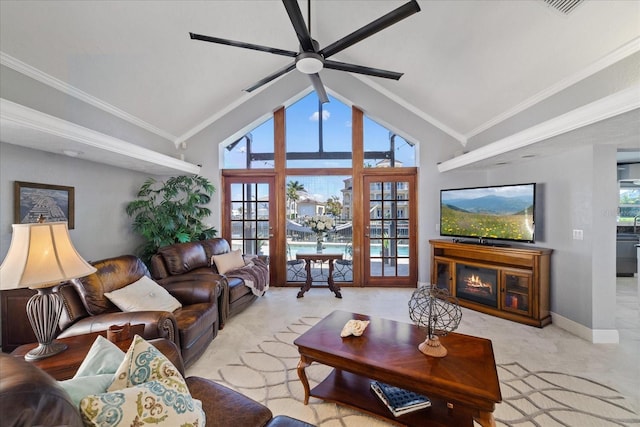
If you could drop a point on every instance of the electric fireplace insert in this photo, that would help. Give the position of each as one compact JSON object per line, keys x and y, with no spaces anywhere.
{"x":477,"y":284}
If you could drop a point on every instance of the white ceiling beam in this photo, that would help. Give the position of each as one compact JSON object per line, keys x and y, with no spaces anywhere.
{"x":610,"y":106}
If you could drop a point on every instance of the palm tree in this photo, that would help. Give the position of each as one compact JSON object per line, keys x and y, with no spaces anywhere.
{"x":334,"y":207}
{"x":293,"y":187}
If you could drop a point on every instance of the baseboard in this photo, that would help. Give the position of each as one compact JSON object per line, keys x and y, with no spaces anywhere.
{"x":596,"y":336}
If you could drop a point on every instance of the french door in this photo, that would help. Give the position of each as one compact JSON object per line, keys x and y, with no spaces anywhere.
{"x":249,"y":213}
{"x":390,"y":230}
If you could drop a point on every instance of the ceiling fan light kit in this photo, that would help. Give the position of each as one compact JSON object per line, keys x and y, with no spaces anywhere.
{"x":311,"y":60}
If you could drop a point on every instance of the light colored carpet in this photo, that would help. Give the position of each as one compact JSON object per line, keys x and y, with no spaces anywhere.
{"x":530,"y":398}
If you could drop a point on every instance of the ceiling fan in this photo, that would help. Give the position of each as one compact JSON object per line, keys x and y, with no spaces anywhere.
{"x":311,"y":59}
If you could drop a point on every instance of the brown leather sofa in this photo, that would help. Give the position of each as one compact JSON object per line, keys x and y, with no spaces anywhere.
{"x":191,"y":263}
{"x":30,"y":397}
{"x":192,"y":327}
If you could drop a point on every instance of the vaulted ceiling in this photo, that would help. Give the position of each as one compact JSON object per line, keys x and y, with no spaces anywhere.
{"x":468,"y":64}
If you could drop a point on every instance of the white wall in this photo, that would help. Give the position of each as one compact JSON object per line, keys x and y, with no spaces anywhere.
{"x":102,"y":228}
{"x":577,"y":190}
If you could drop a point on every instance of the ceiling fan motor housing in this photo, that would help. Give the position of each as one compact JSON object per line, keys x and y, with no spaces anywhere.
{"x":309,"y":62}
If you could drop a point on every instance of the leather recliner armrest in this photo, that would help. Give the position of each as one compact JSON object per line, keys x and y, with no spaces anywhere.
{"x":207,"y":286}
{"x":225,"y":407}
{"x":30,"y":397}
{"x":157,"y":324}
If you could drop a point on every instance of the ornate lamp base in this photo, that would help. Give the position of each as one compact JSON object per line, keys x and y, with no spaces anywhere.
{"x":432,"y":347}
{"x":44,"y":310}
{"x":45,"y":350}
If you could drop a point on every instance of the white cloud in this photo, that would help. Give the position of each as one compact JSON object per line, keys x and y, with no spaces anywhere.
{"x":348,"y":124}
{"x":325,"y":116}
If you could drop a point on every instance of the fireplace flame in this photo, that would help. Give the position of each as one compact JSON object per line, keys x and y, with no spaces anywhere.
{"x":474,"y":281}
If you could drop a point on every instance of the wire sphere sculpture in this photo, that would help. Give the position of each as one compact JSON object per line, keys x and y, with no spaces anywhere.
{"x":433,"y":309}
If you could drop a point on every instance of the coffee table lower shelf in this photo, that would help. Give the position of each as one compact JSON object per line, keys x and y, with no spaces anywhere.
{"x":354,"y":391}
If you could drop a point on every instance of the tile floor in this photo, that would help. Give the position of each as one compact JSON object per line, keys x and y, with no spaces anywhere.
{"x":549,"y":348}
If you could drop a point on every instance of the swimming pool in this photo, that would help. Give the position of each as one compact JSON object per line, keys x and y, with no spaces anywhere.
{"x":294,"y":247}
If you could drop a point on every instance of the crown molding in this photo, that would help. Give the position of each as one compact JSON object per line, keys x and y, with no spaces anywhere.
{"x":42,"y":77}
{"x":610,"y":106}
{"x":27,"y":127}
{"x":622,"y":52}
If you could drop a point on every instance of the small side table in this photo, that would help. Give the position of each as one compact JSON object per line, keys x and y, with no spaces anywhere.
{"x":63,"y":366}
{"x":320,"y":257}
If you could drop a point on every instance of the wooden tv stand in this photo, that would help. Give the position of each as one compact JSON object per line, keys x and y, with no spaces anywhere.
{"x":521,"y":291}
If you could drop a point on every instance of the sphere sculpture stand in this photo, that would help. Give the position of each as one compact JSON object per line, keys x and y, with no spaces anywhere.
{"x":432,"y":347}
{"x":434,"y":309}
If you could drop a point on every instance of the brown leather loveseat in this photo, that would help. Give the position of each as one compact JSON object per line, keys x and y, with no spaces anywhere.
{"x":191,"y":327}
{"x":191,"y":263}
{"x":30,"y":397}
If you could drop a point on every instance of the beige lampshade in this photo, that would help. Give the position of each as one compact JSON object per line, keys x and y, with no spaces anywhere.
{"x":41,"y":256}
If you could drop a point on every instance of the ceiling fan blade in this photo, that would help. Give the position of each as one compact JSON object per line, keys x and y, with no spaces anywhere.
{"x":370,"y":29}
{"x":243,"y":45}
{"x":319,"y":87}
{"x":272,"y":76}
{"x":359,"y":69}
{"x":297,"y":20}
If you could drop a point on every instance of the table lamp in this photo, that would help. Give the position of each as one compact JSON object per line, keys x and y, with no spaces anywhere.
{"x":40,"y":257}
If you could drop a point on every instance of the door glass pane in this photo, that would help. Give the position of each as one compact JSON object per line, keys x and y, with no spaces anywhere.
{"x":262,"y":192}
{"x":263,"y":230}
{"x":250,"y":210}
{"x":263,"y":210}
{"x":249,"y":230}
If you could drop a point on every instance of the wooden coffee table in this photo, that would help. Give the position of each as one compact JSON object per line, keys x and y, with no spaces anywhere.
{"x":462,"y":386}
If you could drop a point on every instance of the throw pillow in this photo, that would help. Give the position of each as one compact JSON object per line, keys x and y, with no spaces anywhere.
{"x":147,"y":389}
{"x":155,"y":402}
{"x":227,"y":262}
{"x":143,"y":363}
{"x":80,"y":387}
{"x":143,"y":294}
{"x":96,"y":371}
{"x":104,"y":357}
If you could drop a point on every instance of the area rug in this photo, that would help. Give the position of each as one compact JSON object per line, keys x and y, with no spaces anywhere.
{"x":530,"y":398}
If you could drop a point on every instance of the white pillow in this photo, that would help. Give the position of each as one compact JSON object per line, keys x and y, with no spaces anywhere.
{"x":229,"y":261}
{"x":142,"y":295}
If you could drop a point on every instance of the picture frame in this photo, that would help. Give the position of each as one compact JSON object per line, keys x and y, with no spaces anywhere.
{"x":53,"y":202}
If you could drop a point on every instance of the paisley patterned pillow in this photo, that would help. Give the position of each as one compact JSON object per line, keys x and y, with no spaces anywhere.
{"x":147,"y":390}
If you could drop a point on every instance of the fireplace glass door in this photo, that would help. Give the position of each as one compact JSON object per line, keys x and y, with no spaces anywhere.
{"x":517,"y":291}
{"x":477,"y":284}
{"x":443,"y":274}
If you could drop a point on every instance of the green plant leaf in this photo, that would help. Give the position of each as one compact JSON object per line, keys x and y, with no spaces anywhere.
{"x":171,"y":212}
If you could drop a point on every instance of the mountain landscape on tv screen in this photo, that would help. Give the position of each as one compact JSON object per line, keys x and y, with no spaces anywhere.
{"x":492,"y":205}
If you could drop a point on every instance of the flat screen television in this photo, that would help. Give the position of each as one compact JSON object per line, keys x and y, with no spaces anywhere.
{"x":501,"y":212}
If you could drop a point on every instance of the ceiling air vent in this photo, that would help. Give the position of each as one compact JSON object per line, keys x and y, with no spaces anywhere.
{"x":563,"y":6}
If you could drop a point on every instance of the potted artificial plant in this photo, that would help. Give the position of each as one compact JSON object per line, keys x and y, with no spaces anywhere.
{"x":171,"y":212}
